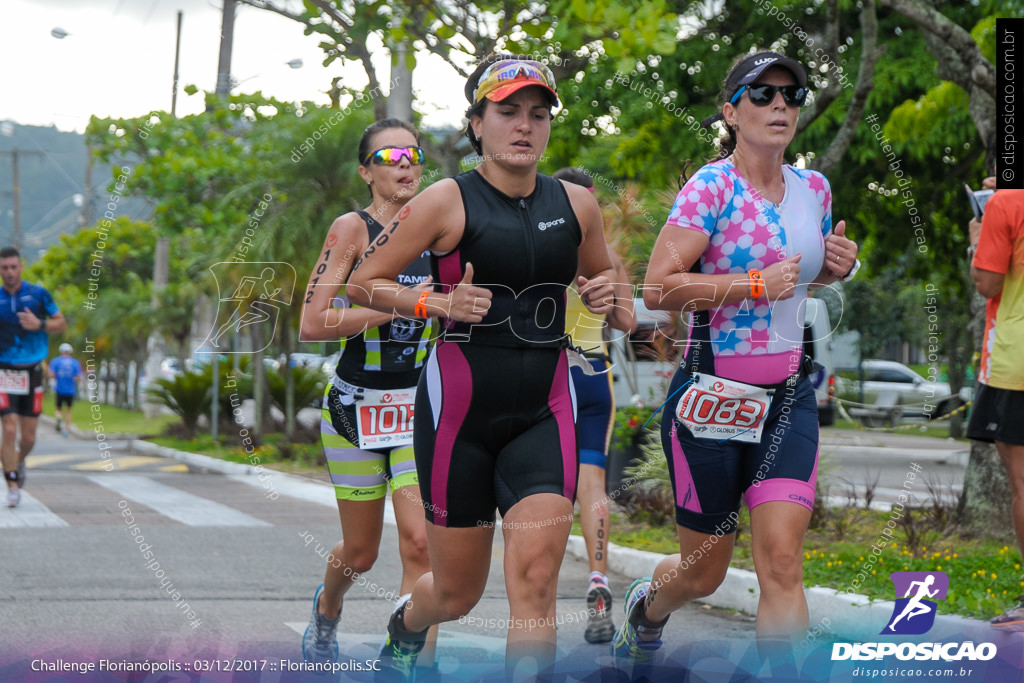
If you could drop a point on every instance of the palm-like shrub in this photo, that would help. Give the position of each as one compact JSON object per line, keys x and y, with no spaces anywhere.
{"x":187,"y":394}
{"x":309,"y":386}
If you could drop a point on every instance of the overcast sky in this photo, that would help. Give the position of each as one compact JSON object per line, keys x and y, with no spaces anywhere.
{"x":118,"y":60}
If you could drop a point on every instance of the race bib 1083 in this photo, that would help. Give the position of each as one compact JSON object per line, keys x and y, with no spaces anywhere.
{"x":718,"y":408}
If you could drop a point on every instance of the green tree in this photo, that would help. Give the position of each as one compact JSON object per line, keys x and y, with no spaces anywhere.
{"x":94,"y":276}
{"x":215,"y":177}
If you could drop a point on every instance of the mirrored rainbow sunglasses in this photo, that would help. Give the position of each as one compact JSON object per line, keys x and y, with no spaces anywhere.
{"x":763,"y":95}
{"x":503,"y":72}
{"x":392,"y":156}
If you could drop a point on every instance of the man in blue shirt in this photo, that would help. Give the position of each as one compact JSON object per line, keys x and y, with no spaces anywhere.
{"x":28,"y":316}
{"x":66,"y":371}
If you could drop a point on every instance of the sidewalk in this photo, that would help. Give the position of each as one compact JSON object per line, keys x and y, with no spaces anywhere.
{"x":882,"y":439}
{"x":845,"y":616}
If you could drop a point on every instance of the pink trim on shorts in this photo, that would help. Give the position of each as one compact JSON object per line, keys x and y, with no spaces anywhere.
{"x":686,"y":492}
{"x":789,"y":490}
{"x":456,"y":395}
{"x":560,"y":394}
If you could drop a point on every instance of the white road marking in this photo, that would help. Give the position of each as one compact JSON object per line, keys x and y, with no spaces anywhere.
{"x":29,"y":513}
{"x":177,"y":505}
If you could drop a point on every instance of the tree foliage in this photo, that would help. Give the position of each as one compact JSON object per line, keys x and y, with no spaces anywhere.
{"x":895,"y":119}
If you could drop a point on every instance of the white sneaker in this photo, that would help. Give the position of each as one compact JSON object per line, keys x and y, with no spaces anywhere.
{"x":13,"y":497}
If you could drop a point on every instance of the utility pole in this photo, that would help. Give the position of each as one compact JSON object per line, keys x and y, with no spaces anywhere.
{"x":161,"y":261}
{"x":15,"y":201}
{"x":227,"y":32}
{"x":177,"y":53}
{"x":16,"y":194}
{"x":399,"y":102}
{"x":87,"y":202}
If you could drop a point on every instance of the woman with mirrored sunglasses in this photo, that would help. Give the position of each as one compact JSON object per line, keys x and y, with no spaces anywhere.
{"x":495,"y":411}
{"x":376,"y":376}
{"x":747,"y":236}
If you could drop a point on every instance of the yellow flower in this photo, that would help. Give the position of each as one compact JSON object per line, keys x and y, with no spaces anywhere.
{"x":994,"y":577}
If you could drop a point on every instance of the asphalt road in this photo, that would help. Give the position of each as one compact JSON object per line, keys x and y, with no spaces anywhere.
{"x":123,"y":557}
{"x":852,"y":463}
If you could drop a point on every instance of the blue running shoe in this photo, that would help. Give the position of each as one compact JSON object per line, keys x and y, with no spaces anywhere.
{"x":400,"y":649}
{"x":320,"y":641}
{"x":627,"y":643}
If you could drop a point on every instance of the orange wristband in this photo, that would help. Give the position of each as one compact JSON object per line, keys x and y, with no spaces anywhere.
{"x":420,"y":310}
{"x":756,"y":283}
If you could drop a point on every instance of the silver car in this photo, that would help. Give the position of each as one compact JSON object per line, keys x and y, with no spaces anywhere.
{"x":893,"y":391}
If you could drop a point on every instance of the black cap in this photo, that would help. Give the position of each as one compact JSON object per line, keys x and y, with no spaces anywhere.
{"x":747,"y":71}
{"x":750,"y":68}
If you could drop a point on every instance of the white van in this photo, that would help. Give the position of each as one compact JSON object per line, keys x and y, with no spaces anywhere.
{"x":643,"y":368}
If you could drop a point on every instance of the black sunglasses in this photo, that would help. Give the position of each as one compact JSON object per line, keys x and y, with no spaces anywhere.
{"x":763,"y":95}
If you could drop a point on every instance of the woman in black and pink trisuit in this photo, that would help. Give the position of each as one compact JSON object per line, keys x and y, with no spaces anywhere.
{"x":494,"y":411}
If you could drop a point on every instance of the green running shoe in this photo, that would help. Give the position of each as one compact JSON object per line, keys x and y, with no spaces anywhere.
{"x":627,"y":643}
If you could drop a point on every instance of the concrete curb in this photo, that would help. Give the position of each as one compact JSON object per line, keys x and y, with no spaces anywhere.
{"x":194,"y":459}
{"x":837,"y":614}
{"x":842,"y":615}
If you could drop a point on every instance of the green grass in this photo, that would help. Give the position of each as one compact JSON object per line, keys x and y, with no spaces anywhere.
{"x":114,"y":420}
{"x":850,"y":551}
{"x":275,"y":452}
{"x":984,"y":574}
